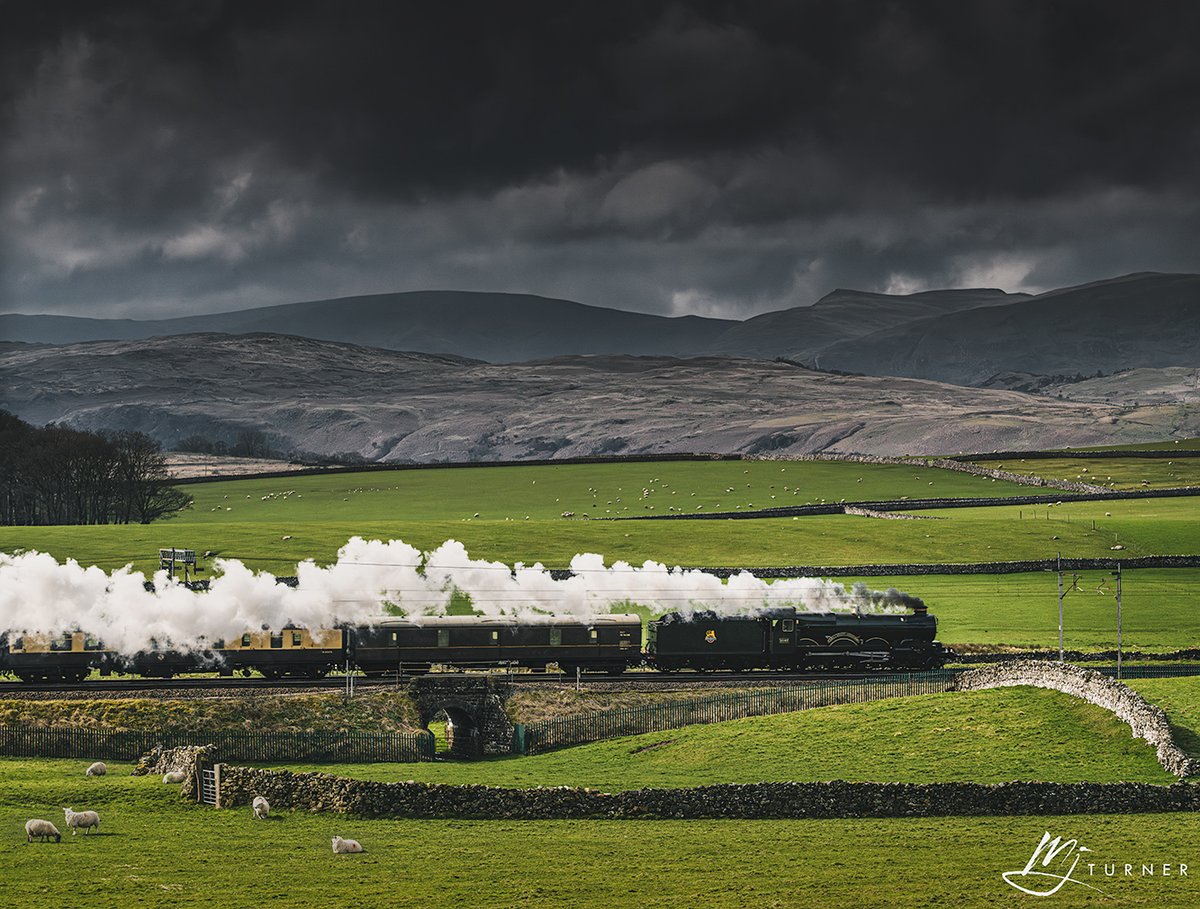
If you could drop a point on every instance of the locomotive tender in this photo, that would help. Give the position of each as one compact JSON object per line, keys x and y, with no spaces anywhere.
{"x":780,"y":638}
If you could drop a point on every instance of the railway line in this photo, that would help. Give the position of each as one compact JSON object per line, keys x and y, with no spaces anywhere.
{"x":757,"y":678}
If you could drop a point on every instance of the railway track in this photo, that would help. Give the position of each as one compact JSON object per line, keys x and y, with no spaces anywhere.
{"x":598,"y":680}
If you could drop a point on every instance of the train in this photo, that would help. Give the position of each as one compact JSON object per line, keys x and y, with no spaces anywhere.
{"x":771,"y":639}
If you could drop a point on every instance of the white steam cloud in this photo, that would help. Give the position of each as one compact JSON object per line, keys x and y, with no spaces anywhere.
{"x":39,"y":595}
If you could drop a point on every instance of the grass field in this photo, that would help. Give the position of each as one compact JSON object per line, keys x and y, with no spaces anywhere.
{"x":154,"y":851}
{"x":545,"y":491}
{"x":1141,"y":526}
{"x":985,"y":736}
{"x":1118,"y":473}
{"x":1144,"y":446}
{"x":1180,"y":698}
{"x":1159,"y":608}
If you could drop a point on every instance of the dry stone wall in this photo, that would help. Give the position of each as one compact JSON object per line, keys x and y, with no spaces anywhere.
{"x":321,"y":792}
{"x":1146,"y":720}
{"x":188,"y":758}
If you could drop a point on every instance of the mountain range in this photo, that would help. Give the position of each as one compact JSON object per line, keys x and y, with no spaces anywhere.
{"x":964,"y":336}
{"x":444,"y":375}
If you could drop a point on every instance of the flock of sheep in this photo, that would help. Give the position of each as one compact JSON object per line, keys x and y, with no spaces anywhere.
{"x":87,"y":821}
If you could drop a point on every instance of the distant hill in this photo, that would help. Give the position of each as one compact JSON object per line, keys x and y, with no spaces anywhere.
{"x":488,"y":326}
{"x":965,"y":336}
{"x":328,"y":398}
{"x":1141,"y":320}
{"x":509,"y":328}
{"x":801,"y":333}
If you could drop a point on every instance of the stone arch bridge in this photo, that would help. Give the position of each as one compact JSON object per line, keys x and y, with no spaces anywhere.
{"x":478,"y":722}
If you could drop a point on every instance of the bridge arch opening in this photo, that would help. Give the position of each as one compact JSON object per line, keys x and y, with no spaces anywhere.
{"x":455,"y":733}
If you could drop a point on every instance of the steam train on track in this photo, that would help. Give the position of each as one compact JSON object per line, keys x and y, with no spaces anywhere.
{"x":779,"y":638}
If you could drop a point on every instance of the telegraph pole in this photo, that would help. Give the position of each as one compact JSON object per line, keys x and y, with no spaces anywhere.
{"x":1060,"y":609}
{"x":1118,"y":620}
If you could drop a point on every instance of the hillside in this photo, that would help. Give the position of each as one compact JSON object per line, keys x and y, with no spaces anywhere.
{"x":802,"y":332}
{"x":325,"y":397}
{"x":965,"y":336}
{"x":1142,"y":320}
{"x":488,"y":326}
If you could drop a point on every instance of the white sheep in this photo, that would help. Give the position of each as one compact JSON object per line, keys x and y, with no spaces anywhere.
{"x":81,"y":819}
{"x":174,"y":776}
{"x":261,"y":807}
{"x":43,"y":830}
{"x":97,"y":769}
{"x":342,"y":847}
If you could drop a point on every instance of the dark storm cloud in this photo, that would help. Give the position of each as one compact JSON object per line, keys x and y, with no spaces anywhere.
{"x":714,"y":157}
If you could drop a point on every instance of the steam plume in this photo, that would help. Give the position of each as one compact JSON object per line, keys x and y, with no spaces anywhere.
{"x":40,"y":595}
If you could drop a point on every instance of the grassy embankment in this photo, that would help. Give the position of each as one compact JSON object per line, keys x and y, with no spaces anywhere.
{"x":986,"y":736}
{"x":154,"y":851}
{"x":369,"y":712}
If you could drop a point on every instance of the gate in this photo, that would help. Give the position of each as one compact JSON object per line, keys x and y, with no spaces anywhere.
{"x":210,"y":789}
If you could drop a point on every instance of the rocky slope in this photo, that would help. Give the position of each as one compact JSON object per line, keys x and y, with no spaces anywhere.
{"x":326,"y":397}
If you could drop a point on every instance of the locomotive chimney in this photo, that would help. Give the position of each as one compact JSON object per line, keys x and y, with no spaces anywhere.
{"x":919,"y":608}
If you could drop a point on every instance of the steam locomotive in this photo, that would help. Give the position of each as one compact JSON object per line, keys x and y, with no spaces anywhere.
{"x":782,"y":638}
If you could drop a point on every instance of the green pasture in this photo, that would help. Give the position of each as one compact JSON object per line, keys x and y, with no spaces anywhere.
{"x":155,"y":851}
{"x":540,"y":492}
{"x":1180,"y":698}
{"x":1117,"y":473}
{"x":1160,"y":608}
{"x":1004,"y":533}
{"x":1143,"y":446}
{"x":981,"y":736}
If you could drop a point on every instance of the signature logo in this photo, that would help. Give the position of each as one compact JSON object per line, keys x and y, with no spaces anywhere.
{"x":1043,"y":874}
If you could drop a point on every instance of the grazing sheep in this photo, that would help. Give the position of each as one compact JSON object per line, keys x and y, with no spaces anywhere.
{"x":97,"y":769}
{"x":81,"y":819}
{"x":342,"y":847}
{"x":261,"y":807}
{"x":43,"y":830}
{"x":174,"y":776}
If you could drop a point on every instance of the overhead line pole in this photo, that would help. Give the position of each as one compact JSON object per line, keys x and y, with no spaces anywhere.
{"x":1060,"y":609}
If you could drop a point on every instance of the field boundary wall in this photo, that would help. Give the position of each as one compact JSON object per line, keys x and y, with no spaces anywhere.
{"x":837,"y":799}
{"x":1144,"y":719}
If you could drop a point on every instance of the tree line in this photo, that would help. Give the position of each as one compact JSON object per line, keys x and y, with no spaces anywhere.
{"x":57,"y":475}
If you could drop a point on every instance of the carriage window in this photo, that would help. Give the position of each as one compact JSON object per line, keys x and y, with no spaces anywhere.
{"x":18,"y":644}
{"x":219,"y":644}
{"x":245,"y":640}
{"x":277,"y":640}
{"x":789,"y":624}
{"x":555,"y":637}
{"x":63,"y":643}
{"x":443,"y":637}
{"x":296,"y":638}
{"x":90,"y":643}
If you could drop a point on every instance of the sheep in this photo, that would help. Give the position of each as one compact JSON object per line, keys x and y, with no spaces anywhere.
{"x":174,"y":776}
{"x":43,"y":830}
{"x":342,"y":847}
{"x":97,"y":769}
{"x":261,"y":807}
{"x":85,"y":819}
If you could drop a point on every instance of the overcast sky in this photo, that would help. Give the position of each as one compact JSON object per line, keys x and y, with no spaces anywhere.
{"x":714,"y":158}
